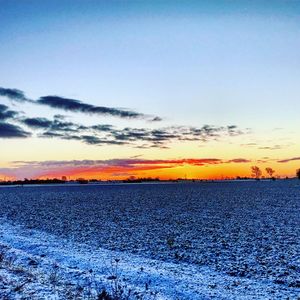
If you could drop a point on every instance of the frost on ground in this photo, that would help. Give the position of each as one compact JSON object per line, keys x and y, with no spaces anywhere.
{"x":35,"y":265}
{"x":181,"y":241}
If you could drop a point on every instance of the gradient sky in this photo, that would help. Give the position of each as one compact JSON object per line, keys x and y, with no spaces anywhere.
{"x":190,"y":63}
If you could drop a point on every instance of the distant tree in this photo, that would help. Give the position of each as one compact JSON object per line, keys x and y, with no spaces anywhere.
{"x":256,"y":172}
{"x":298,"y":173}
{"x":270,"y":172}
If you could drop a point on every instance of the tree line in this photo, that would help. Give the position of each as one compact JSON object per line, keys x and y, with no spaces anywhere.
{"x":256,"y":172}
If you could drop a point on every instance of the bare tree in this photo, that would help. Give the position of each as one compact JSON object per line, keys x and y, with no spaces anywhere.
{"x":270,"y":172}
{"x":256,"y":172}
{"x":298,"y":173}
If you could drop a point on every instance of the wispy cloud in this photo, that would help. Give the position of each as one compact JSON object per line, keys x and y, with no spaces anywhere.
{"x":50,"y":125}
{"x":288,"y":159}
{"x":249,"y":144}
{"x":142,"y":137}
{"x":6,"y":113}
{"x":274,"y":147}
{"x":239,"y":160}
{"x":258,"y":145}
{"x":13,"y":94}
{"x":109,"y":167}
{"x":74,"y":105}
{"x":103,"y":134}
{"x":8,"y":130}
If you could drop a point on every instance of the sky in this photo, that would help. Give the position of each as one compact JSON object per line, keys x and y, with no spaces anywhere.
{"x":168,"y":89}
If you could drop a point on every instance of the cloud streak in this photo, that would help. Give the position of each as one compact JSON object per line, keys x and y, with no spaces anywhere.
{"x":288,"y":160}
{"x":13,"y":94}
{"x":8,"y":130}
{"x":139,"y":137}
{"x":239,"y":160}
{"x":110,"y":167}
{"x":103,"y":134}
{"x":6,"y":113}
{"x":50,"y":125}
{"x":74,"y":105}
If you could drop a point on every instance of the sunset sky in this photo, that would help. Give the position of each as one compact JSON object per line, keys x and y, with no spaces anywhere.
{"x":112,"y":89}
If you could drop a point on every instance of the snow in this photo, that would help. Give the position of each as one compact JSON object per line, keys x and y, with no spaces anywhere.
{"x":59,"y":265}
{"x":167,"y":280}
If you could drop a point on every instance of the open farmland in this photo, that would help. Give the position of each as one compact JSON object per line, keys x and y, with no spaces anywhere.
{"x":239,"y":230}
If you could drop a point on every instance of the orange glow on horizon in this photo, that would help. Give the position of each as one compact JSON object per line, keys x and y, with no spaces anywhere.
{"x":120,"y":169}
{"x":210,"y":172}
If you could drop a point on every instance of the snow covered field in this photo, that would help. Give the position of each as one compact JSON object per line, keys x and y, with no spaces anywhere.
{"x":225,"y":240}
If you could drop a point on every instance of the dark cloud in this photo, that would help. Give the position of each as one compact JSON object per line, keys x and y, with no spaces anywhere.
{"x":50,"y":134}
{"x":233,"y":130}
{"x":92,"y":140}
{"x":55,"y":125}
{"x":13,"y":94}
{"x":103,"y":127}
{"x":74,"y":105}
{"x":59,"y":117}
{"x":288,"y":160}
{"x":5,"y":113}
{"x":144,"y":138}
{"x":87,"y":139}
{"x":12,"y":131}
{"x":37,"y":122}
{"x":78,"y":106}
{"x":106,"y":134}
{"x":156,"y":119}
{"x":102,"y":134}
{"x":239,"y":160}
{"x":159,"y":137}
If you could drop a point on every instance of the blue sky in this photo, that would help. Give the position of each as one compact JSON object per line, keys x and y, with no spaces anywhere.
{"x":190,"y":62}
{"x":220,"y":58}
